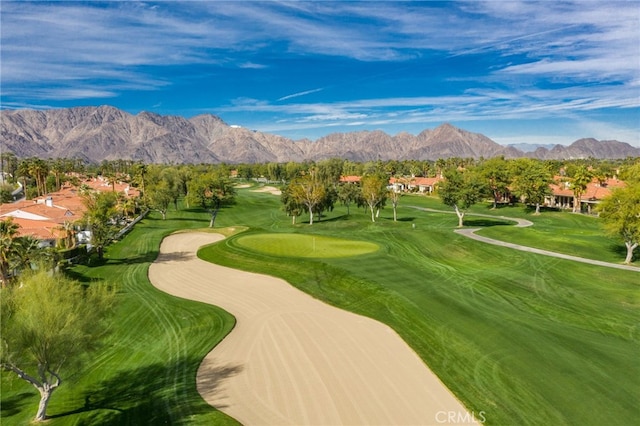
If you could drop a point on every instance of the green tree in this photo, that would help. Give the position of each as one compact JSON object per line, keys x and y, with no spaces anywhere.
{"x":374,"y":192}
{"x":48,"y":324}
{"x":394,"y":196}
{"x":329,"y":171}
{"x":140,"y":175}
{"x":58,"y":167}
{"x":348,"y":194}
{"x":620,"y":213}
{"x":6,"y":193}
{"x":9,"y":164}
{"x":39,"y":169}
{"x":29,"y":253}
{"x":211,"y":191}
{"x":579,"y":181}
{"x":8,"y":235}
{"x":531,"y":181}
{"x":309,"y":191}
{"x":99,"y":218}
{"x":290,"y":204}
{"x":160,"y":196}
{"x":461,"y":190}
{"x":495,"y":172}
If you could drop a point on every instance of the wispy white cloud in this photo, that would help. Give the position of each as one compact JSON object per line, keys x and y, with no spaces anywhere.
{"x":539,"y":58}
{"x":296,"y":95}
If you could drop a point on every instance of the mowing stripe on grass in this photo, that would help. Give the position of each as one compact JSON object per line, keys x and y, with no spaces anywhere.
{"x":302,"y":245}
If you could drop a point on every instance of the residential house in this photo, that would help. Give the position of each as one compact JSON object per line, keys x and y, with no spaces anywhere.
{"x":563,"y":197}
{"x":47,"y":218}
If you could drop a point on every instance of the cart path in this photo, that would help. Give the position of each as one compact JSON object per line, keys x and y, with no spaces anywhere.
{"x":522,"y":223}
{"x":299,"y":361}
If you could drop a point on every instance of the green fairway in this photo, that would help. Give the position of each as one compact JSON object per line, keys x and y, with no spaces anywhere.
{"x":144,"y":374}
{"x":524,"y":338}
{"x":301,"y":245}
{"x":563,"y":232}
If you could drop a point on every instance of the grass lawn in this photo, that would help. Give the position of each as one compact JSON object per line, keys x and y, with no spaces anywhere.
{"x":301,"y":245}
{"x":563,"y":232}
{"x":145,"y":372}
{"x":526,"y":339}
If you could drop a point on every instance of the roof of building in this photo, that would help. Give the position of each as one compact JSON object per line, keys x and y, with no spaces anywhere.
{"x":39,"y":229}
{"x":39,"y":217}
{"x":595,"y":190}
{"x":350,"y":179}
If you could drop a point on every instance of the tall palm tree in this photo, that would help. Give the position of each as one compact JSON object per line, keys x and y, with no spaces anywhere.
{"x":581,"y":178}
{"x":8,"y":236}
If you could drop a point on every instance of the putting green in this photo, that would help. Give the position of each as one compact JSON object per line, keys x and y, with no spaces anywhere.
{"x":301,"y":245}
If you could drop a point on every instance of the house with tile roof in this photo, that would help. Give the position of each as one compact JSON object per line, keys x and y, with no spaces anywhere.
{"x":562,"y":195}
{"x":47,"y":218}
{"x":424,"y":185}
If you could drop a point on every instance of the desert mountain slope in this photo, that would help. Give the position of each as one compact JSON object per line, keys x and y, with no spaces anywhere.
{"x":107,"y":133}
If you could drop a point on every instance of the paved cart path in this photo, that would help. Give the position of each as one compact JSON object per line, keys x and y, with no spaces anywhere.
{"x":299,"y":361}
{"x":522,"y":223}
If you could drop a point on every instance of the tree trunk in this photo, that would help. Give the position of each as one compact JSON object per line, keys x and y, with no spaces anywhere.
{"x":537,"y":208}
{"x":630,"y":249}
{"x":395,"y":215}
{"x":164,"y":214}
{"x":293,"y":220}
{"x":45,"y":395}
{"x":214,"y":213}
{"x":45,"y":388}
{"x":310,"y":216}
{"x":460,"y":216}
{"x":373,"y":214}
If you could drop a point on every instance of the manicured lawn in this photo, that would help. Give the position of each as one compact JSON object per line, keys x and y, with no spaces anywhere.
{"x":563,"y":232}
{"x":301,"y":245}
{"x":526,"y":339}
{"x":145,"y":372}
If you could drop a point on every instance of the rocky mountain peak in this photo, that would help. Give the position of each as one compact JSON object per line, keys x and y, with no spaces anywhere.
{"x":105,"y":132}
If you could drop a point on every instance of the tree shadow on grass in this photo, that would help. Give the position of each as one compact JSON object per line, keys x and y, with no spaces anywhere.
{"x":150,"y":395}
{"x":406,"y":219}
{"x":531,"y":209}
{"x":621,"y":251}
{"x":14,"y":404}
{"x":486,"y":222}
{"x":146,"y":257}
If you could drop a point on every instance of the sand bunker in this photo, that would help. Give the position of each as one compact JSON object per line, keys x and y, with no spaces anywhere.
{"x":299,"y":361}
{"x":270,"y":189}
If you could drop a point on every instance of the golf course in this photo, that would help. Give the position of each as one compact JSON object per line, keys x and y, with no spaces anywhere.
{"x":515,"y":337}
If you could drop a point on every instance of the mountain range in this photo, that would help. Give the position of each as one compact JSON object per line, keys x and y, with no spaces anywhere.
{"x":102,"y":133}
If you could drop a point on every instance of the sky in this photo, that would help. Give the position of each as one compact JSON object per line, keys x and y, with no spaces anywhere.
{"x":516,"y":71}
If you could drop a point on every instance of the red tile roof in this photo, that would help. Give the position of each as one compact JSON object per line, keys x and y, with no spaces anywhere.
{"x":39,"y":229}
{"x":57,"y":208}
{"x":594,"y":191}
{"x":350,"y":179}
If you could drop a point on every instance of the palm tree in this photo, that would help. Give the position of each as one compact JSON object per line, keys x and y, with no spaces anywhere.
{"x":28,"y":252}
{"x":581,"y":178}
{"x":70,"y":235}
{"x":8,"y":235}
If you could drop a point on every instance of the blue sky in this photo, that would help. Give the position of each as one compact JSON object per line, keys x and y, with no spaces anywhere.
{"x":530,"y":72}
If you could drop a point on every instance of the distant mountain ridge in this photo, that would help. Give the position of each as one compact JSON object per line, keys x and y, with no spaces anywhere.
{"x":107,"y":133}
